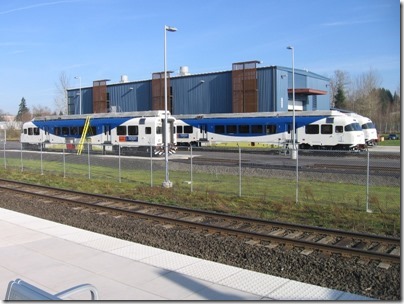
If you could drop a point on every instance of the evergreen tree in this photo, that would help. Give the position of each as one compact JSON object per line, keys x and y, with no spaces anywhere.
{"x":339,"y":98}
{"x":23,"y":112}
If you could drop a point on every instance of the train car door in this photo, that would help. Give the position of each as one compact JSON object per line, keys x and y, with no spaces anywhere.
{"x":203,"y":134}
{"x":107,"y":133}
{"x":47,"y":133}
{"x":287,"y":135}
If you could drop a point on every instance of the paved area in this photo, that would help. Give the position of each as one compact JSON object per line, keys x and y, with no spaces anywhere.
{"x":55,"y":257}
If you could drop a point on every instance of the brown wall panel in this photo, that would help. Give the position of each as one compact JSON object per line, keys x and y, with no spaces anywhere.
{"x":158,"y":91}
{"x":100,"y":96}
{"x":244,"y":81}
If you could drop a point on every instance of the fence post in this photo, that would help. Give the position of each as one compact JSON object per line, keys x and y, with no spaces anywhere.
{"x":297,"y":173}
{"x":151,"y":165}
{"x":5,"y":160}
{"x":41,"y":161}
{"x":22,"y":164}
{"x":367,"y":183}
{"x":192,"y":181}
{"x":239,"y":170}
{"x":64,"y":163}
{"x":119,"y":163}
{"x":88,"y":160}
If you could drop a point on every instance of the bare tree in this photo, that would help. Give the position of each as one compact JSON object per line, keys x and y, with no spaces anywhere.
{"x":365,"y":98}
{"x":38,"y":111}
{"x":61,"y":89}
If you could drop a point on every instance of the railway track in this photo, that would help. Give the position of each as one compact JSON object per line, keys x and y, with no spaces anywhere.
{"x":316,"y":167}
{"x":254,"y":231}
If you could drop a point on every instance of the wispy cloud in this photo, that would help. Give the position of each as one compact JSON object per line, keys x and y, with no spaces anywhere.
{"x":28,"y":7}
{"x":348,"y":22}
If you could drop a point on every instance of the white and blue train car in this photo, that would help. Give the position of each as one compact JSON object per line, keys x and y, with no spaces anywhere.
{"x":331,"y":130}
{"x":132,"y":132}
{"x":368,"y":127}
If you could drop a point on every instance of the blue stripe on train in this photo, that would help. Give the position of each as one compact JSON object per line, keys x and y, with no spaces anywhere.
{"x":282,"y":123}
{"x":97,"y":123}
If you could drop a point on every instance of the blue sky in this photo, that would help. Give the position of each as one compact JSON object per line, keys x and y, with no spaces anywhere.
{"x":104,"y":39}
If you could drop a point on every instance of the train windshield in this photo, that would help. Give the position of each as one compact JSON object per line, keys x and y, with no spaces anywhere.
{"x":368,"y":125}
{"x":353,"y":127}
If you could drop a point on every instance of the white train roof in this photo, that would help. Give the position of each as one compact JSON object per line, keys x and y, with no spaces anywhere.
{"x":105,"y":115}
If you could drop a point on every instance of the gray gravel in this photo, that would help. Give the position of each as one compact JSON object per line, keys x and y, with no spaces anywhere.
{"x":333,"y":272}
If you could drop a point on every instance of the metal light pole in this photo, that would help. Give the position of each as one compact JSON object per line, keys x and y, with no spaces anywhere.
{"x":294,"y":149}
{"x":294,"y":152}
{"x":167,"y":183}
{"x":79,"y":78}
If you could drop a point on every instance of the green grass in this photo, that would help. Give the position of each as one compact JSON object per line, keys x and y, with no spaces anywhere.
{"x":328,"y":204}
{"x":387,"y":142}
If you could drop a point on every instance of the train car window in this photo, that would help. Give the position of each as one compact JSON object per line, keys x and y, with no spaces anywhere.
{"x":188,"y":129}
{"x":57,"y":131}
{"x":368,"y":125}
{"x":339,"y":129}
{"x":74,"y":131}
{"x":159,"y":130}
{"x":179,"y":129}
{"x":231,"y":129}
{"x":142,"y":121}
{"x":36,"y":131}
{"x":326,"y":129}
{"x":256,"y":129}
{"x":25,"y":131}
{"x":133,"y":130}
{"x":148,"y":130}
{"x":353,"y":127}
{"x":312,"y":129}
{"x":29,"y":131}
{"x":92,"y":131}
{"x":329,"y":120}
{"x":121,"y":130}
{"x":219,"y":129}
{"x":65,"y":131}
{"x":244,"y":129}
{"x":270,"y":129}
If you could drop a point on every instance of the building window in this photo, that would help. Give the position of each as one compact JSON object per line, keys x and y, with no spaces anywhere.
{"x":314,"y":102}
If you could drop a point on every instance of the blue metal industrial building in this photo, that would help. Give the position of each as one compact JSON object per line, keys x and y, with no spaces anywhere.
{"x":245,"y":88}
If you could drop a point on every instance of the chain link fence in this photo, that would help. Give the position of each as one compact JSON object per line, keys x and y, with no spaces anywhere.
{"x":367,"y":180}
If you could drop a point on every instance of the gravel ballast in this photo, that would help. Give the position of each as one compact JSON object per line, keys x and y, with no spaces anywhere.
{"x":334,"y":272}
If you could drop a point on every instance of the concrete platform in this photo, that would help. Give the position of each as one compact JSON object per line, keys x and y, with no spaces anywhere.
{"x":55,"y":257}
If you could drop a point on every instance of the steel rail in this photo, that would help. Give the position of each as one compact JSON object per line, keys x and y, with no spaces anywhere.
{"x":227,"y":230}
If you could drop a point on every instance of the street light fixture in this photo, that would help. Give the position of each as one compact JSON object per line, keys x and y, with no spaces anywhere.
{"x":294,"y":152}
{"x":167,"y":183}
{"x":79,"y":78}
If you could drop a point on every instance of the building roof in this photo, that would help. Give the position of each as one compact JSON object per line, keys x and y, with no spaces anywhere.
{"x":308,"y":91}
